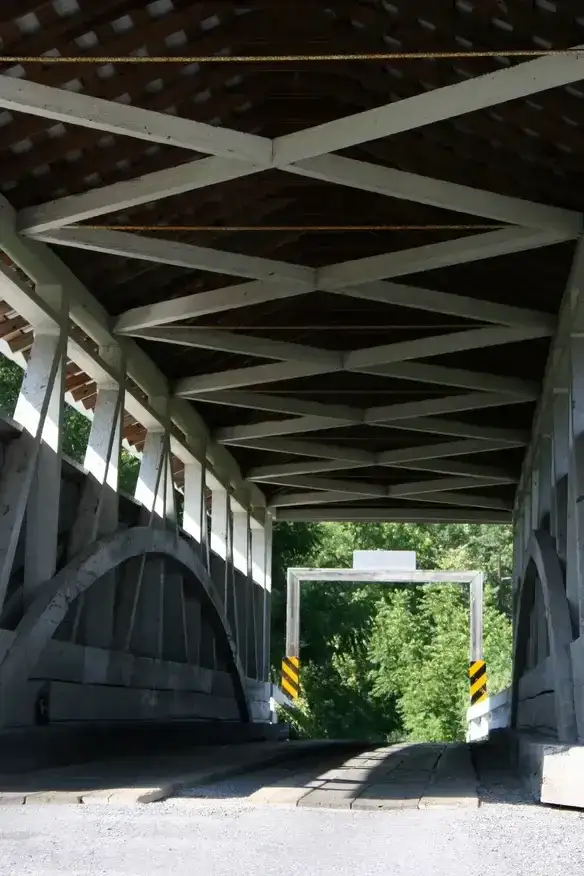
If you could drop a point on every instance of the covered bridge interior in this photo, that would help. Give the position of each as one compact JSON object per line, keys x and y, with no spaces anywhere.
{"x":325,"y":243}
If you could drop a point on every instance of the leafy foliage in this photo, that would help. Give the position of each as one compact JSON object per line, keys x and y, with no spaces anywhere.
{"x":389,"y":662}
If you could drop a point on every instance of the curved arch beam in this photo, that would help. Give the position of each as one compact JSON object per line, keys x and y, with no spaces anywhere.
{"x":49,"y":608}
{"x":542,"y":560}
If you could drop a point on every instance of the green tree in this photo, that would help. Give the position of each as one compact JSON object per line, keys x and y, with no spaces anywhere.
{"x":392,"y":660}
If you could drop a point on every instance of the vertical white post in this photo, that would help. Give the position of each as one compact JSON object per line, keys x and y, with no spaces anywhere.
{"x":99,"y":507}
{"x":258,"y":560}
{"x":145,"y":627}
{"x":240,"y":540}
{"x":42,"y":514}
{"x":193,"y":500}
{"x":219,"y":513}
{"x":149,"y":488}
{"x":267,"y":595}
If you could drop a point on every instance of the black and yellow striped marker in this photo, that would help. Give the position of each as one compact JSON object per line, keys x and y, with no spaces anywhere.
{"x":477,"y":672}
{"x":291,"y":676}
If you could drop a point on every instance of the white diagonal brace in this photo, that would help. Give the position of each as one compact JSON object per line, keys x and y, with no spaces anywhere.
{"x":204,"y":303}
{"x":460,"y":469}
{"x":363,"y":488}
{"x":475,"y":247}
{"x":436,"y":426}
{"x":282,"y":405}
{"x":449,"y":448}
{"x":190,"y":387}
{"x":269,"y":428}
{"x":292,"y":446}
{"x":308,"y":466}
{"x":22,"y":95}
{"x":424,"y":372}
{"x":437,"y":345}
{"x":473,"y":94}
{"x":173,"y":252}
{"x":321,"y":497}
{"x":357,"y":488}
{"x":379,"y":414}
{"x":419,"y":488}
{"x":316,"y":497}
{"x":449,"y":404}
{"x":454,"y":305}
{"x":404,"y":514}
{"x":297,"y":426}
{"x":350,"y":457}
{"x":268,"y":473}
{"x":229,"y":342}
{"x":462,"y":499}
{"x":132,"y":193}
{"x":436,"y":193}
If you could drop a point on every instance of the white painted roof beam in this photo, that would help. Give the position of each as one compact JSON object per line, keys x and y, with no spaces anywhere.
{"x":436,"y":105}
{"x":173,"y":252}
{"x":307,"y":467}
{"x":204,"y":303}
{"x":236,"y":378}
{"x":456,"y":429}
{"x":463,"y":499}
{"x":282,"y":405}
{"x":445,"y":302}
{"x":25,"y":96}
{"x":393,"y":183}
{"x":421,"y":348}
{"x":310,"y":448}
{"x":462,"y":250}
{"x":132,"y":193}
{"x":428,"y":407}
{"x":230,"y":342}
{"x":405,"y":514}
{"x":271,"y":428}
{"x":424,"y":372}
{"x":318,"y":466}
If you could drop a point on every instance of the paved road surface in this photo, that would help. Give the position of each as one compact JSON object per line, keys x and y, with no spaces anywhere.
{"x":225,"y":833}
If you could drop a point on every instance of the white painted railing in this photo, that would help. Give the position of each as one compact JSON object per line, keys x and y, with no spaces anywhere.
{"x":491,"y":714}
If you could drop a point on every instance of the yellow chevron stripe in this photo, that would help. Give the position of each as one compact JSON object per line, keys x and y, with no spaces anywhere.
{"x":291,"y":691}
{"x":294,"y":661}
{"x":290,"y":673}
{"x":478,"y":684}
{"x":479,"y":699}
{"x":476,"y":667}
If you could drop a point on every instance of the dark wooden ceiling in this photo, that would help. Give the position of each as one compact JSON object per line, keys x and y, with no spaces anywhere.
{"x":532,"y":149}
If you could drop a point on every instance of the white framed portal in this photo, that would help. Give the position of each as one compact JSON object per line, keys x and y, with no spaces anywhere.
{"x":474,"y":579}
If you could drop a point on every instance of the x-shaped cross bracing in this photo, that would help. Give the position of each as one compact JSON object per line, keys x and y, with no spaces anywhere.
{"x":308,"y":153}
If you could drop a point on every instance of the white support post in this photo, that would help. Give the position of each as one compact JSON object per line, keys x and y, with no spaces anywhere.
{"x":258,"y":565}
{"x":240,"y":540}
{"x":219,"y":513}
{"x":150,"y":478}
{"x":267,"y":625}
{"x":194,"y":491}
{"x":42,"y":514}
{"x":145,"y":627}
{"x":98,"y":511}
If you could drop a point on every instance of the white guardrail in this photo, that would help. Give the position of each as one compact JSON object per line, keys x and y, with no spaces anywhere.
{"x":492,"y":714}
